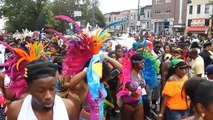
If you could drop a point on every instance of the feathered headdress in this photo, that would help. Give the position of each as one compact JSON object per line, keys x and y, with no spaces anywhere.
{"x":17,"y":62}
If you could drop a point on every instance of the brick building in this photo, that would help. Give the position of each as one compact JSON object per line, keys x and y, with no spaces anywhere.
{"x":199,"y":17}
{"x":168,"y":17}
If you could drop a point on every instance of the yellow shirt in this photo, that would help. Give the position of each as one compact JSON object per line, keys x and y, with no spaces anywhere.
{"x":176,"y":98}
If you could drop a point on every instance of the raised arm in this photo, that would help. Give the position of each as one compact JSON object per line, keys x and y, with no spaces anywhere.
{"x":76,"y":79}
{"x":113,"y":62}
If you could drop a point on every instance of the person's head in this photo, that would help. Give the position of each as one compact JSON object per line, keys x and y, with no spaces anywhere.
{"x":120,"y":52}
{"x":137,"y":62}
{"x":209,"y":72}
{"x":113,"y":55}
{"x":157,"y":48}
{"x":167,"y":49}
{"x":106,"y":70}
{"x":176,"y":53}
{"x":58,"y":62}
{"x":207,"y":46}
{"x":193,"y":53}
{"x":40,"y":78}
{"x":195,"y":45}
{"x":178,"y":68}
{"x":54,"y":49}
{"x":200,"y":92}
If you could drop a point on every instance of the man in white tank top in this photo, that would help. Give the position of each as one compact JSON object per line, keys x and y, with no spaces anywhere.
{"x":42,"y":103}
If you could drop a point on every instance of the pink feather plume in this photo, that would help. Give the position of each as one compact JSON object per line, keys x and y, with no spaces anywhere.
{"x":68,"y":19}
{"x":57,"y":33}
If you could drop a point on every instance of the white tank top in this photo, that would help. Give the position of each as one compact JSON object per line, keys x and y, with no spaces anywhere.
{"x":27,"y":113}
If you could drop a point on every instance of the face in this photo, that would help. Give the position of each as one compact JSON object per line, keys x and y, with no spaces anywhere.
{"x":114,"y":56}
{"x":181,"y":71}
{"x":140,"y":65}
{"x":53,"y":49}
{"x":209,"y":112}
{"x":167,"y":49}
{"x":120,"y":52}
{"x":43,"y":92}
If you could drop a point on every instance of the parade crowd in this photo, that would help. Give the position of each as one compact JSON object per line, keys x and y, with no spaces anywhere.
{"x":93,"y":76}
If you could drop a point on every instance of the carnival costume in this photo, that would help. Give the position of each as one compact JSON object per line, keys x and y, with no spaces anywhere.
{"x":81,"y":48}
{"x":149,"y":73}
{"x":17,"y":62}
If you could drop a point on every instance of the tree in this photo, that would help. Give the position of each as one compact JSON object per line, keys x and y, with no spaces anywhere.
{"x":67,"y":7}
{"x":22,"y":14}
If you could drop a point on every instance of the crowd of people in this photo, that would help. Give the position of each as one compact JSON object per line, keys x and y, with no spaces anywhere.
{"x":85,"y":77}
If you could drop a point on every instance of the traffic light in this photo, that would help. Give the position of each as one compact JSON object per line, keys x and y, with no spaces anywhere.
{"x":189,"y":1}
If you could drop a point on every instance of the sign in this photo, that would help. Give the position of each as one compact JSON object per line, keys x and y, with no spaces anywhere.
{"x":198,"y":23}
{"x":138,"y":23}
{"x":77,"y":13}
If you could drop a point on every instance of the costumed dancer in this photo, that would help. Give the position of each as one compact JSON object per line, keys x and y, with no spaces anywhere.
{"x":130,"y":94}
{"x":89,"y":70}
{"x":86,"y":82}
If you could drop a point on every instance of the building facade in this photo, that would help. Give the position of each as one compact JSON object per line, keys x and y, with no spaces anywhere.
{"x":168,"y":17}
{"x":131,"y":16}
{"x":199,"y":17}
{"x":145,"y":18}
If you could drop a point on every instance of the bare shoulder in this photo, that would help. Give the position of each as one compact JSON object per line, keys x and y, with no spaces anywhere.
{"x":73,"y":109}
{"x":68,"y":103}
{"x":14,"y":109}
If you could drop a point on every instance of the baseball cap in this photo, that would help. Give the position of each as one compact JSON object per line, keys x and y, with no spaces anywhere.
{"x":209,"y":70}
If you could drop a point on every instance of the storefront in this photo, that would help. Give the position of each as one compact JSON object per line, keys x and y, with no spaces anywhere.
{"x":198,"y":27}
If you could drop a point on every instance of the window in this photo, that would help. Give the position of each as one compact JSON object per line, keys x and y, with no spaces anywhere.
{"x":159,"y":1}
{"x":157,"y":11}
{"x":207,"y":8}
{"x":168,"y":10}
{"x":148,"y":25}
{"x":190,"y":9}
{"x":109,"y":19}
{"x":114,"y":18}
{"x":198,"y":9}
{"x":148,"y":14}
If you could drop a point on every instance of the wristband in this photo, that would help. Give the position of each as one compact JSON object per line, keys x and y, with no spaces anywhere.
{"x":160,"y":115}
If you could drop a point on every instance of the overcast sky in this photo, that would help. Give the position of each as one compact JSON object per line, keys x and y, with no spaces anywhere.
{"x":107,"y":6}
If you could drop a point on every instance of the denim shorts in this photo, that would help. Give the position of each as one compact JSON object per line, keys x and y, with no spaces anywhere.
{"x":175,"y":114}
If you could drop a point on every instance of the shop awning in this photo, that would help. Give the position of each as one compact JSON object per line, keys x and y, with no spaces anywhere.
{"x":196,"y":29}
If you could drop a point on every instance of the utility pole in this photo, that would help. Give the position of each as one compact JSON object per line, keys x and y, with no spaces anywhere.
{"x":138,"y":22}
{"x":93,"y":14}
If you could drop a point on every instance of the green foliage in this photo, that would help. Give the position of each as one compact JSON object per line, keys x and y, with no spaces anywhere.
{"x":29,"y":14}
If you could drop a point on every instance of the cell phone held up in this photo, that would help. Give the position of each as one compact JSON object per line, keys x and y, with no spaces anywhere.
{"x":114,"y":73}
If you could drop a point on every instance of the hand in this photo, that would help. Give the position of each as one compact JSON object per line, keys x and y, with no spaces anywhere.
{"x":159,"y":118}
{"x":105,"y":57}
{"x":135,"y":95}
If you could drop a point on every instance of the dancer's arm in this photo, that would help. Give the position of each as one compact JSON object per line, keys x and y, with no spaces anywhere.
{"x":163,"y":107}
{"x":113,"y":62}
{"x":76,"y":79}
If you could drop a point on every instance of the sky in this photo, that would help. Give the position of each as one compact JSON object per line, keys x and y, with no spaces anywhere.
{"x":107,"y":6}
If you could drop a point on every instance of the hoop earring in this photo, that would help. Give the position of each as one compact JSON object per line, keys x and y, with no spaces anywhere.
{"x":202,"y":116}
